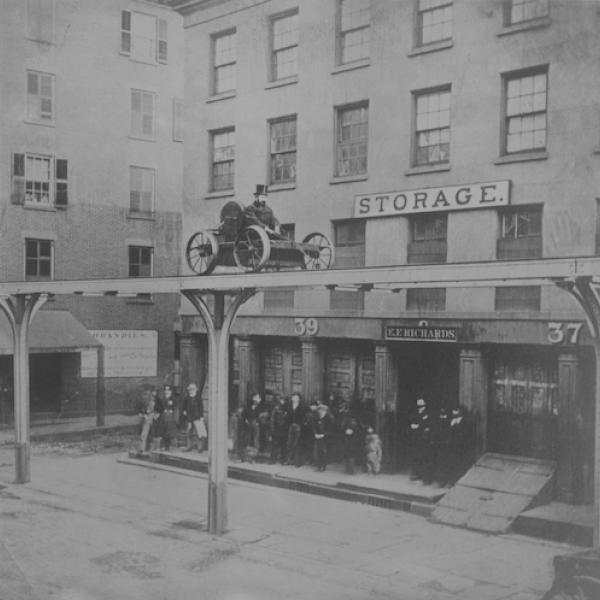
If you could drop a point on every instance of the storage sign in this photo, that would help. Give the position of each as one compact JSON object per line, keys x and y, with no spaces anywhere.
{"x":447,"y":198}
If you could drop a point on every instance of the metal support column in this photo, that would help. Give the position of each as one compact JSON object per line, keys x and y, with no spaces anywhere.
{"x":20,"y":310}
{"x":218,"y":325}
{"x":587,"y":293}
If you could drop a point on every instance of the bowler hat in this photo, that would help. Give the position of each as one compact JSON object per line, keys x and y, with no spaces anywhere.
{"x":261,"y":189}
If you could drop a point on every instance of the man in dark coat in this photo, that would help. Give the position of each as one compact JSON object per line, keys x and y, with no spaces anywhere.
{"x":259,"y":213}
{"x":321,"y":428}
{"x":421,"y":435}
{"x":192,"y":410}
{"x":280,"y":424}
{"x":297,"y":418}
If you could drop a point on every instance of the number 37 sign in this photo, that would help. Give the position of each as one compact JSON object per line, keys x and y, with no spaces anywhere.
{"x":564,"y":333}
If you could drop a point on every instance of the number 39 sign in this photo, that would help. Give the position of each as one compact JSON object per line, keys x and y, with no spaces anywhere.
{"x":306,"y":326}
{"x":564,"y":333}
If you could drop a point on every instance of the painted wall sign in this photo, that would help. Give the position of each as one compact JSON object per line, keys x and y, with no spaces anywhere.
{"x":447,"y":198}
{"x":127,"y":353}
{"x":306,"y":326}
{"x":564,"y":333}
{"x":421,"y":333}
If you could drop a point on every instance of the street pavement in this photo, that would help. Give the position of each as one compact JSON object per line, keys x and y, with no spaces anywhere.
{"x":87,"y":528}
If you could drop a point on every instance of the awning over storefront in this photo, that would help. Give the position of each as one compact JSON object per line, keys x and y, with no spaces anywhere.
{"x":51,"y":331}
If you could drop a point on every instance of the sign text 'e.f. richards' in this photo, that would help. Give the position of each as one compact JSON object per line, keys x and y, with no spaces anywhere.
{"x":447,"y":198}
{"x":421,"y":333}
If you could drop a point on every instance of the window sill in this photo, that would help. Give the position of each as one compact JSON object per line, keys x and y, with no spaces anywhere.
{"x":219,"y":97}
{"x":348,"y":178}
{"x":282,"y":82}
{"x":359,"y":64}
{"x":423,"y":169}
{"x":220,"y":194}
{"x":42,"y":207}
{"x":139,"y":215}
{"x":433,"y":47}
{"x":521,"y":157}
{"x":42,"y":123}
{"x":140,"y":138}
{"x":526,"y":26}
{"x":281,"y":187}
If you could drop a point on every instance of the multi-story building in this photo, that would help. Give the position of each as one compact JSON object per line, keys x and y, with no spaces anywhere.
{"x":90,"y":187}
{"x":413,"y":132}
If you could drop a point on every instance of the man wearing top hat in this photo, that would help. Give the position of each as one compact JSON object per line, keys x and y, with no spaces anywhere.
{"x":258,"y":213}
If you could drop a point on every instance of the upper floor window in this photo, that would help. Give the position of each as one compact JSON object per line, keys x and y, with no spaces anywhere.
{"x":520,"y":233}
{"x":224,"y":62}
{"x":351,"y":139}
{"x":38,"y":259}
{"x":518,"y":297}
{"x":283,"y":150}
{"x":141,"y":189}
{"x":519,"y":11}
{"x":140,"y":261}
{"x":223,"y":160}
{"x":144,"y":37}
{"x":525,"y":105}
{"x":40,"y":97}
{"x":434,"y":21}
{"x":354,"y":30}
{"x":177,"y":120}
{"x":349,"y":240}
{"x":426,"y":299}
{"x":284,"y":35}
{"x":432,"y":131}
{"x":39,"y":180}
{"x":40,"y":20}
{"x":142,"y":114}
{"x":428,"y":239}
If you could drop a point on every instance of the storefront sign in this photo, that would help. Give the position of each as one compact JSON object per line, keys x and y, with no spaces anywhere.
{"x":127,"y":353}
{"x":421,"y":332}
{"x":447,"y":198}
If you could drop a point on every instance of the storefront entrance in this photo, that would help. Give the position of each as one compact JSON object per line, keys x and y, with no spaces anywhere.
{"x":281,"y":368}
{"x":523,"y":404}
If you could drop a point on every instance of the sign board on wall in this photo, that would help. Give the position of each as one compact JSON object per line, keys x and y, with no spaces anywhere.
{"x":447,"y":198}
{"x":127,"y":353}
{"x":421,"y":333}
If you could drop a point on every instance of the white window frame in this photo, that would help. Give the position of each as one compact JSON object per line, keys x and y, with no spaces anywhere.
{"x":341,"y":144}
{"x":139,"y":118}
{"x":432,"y":123}
{"x":432,"y":14}
{"x":37,"y":258}
{"x":131,"y":38}
{"x":284,"y":45}
{"x":141,"y":208}
{"x":224,"y":159}
{"x":275,"y":151}
{"x":357,"y":30}
{"x":223,"y":62}
{"x":35,"y":101}
{"x":541,"y":10}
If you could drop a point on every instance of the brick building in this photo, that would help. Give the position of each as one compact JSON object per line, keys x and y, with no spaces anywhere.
{"x":90,"y":187}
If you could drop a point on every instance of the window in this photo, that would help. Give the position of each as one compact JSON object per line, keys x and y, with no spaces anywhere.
{"x":177,"y":120}
{"x":140,"y":261}
{"x":520,"y":233}
{"x":143,"y":37}
{"x":141,"y":190}
{"x":38,"y":259}
{"x":283,"y":150}
{"x":142,"y":113}
{"x":525,"y":108}
{"x":434,"y":21}
{"x":354,"y":30}
{"x":352,"y":132}
{"x":40,"y":20}
{"x":281,"y":298}
{"x":349,"y":240}
{"x":39,"y":180}
{"x":40,"y":97}
{"x":223,"y":160}
{"x":224,"y":57}
{"x":284,"y":58}
{"x":519,"y":11}
{"x":526,"y":297}
{"x":428,"y":239}
{"x":432,"y":130}
{"x":426,"y":299}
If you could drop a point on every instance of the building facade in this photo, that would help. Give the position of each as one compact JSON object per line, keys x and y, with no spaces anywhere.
{"x":90,"y":186}
{"x":414,"y":132}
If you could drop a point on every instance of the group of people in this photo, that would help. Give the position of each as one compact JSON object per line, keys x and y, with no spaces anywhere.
{"x":439,"y":442}
{"x":291,"y":432}
{"x":162,"y":419}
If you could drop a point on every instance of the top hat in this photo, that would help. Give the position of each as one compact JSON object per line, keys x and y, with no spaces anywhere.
{"x":261,"y":189}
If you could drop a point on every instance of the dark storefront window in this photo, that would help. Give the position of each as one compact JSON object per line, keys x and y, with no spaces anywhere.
{"x":428,"y":239}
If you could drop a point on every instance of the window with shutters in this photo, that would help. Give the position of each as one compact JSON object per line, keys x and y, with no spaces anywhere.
{"x":144,"y":37}
{"x":284,"y":51}
{"x":142,"y":114}
{"x":354,"y":31}
{"x":40,"y":20}
{"x":177,"y":120}
{"x":40,"y":97}
{"x":141,"y":190}
{"x":224,"y":62}
{"x":283,"y":150}
{"x":223,"y":160}
{"x":140,"y":261}
{"x":39,"y":259}
{"x":39,"y":180}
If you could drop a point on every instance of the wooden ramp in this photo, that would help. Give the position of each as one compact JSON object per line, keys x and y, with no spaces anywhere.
{"x":492,"y":494}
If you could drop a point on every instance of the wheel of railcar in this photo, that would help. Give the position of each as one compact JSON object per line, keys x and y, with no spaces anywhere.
{"x":320,"y":254}
{"x":201,"y":252}
{"x":252,"y":248}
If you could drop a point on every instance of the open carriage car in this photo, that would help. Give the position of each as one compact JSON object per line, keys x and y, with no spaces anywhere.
{"x":252,"y":248}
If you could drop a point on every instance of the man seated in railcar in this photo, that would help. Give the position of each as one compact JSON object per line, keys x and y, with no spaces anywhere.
{"x":259,"y":213}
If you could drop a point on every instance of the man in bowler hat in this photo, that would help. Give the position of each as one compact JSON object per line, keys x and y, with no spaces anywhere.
{"x":259,"y":213}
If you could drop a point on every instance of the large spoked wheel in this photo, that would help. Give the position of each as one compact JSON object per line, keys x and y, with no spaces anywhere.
{"x":201,"y":252}
{"x":319,"y":253}
{"x":252,"y":248}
